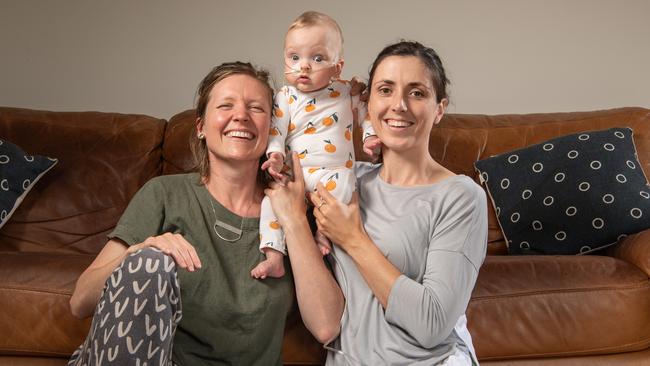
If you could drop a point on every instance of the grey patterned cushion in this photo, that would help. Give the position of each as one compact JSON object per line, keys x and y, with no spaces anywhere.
{"x":569,"y":195}
{"x":18,"y":174}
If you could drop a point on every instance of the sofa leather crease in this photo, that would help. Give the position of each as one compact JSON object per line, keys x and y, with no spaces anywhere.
{"x":524,"y":310}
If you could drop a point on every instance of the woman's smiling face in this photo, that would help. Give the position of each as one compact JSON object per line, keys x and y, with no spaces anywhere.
{"x":402,"y":104}
{"x":237,"y":119}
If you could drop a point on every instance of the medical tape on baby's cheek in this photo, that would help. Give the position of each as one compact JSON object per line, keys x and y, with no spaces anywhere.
{"x":296,"y":69}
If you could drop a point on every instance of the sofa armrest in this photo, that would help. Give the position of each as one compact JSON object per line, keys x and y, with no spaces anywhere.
{"x":635,"y":249}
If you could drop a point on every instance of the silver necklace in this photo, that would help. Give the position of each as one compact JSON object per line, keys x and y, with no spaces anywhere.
{"x":227,"y":226}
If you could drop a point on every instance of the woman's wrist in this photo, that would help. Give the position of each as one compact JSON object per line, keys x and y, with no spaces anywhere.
{"x":293,"y":220}
{"x":357,"y":242}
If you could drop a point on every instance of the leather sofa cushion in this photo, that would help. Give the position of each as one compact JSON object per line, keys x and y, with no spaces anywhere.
{"x":177,"y":157}
{"x":104,"y":158}
{"x":612,"y":359}
{"x":32,"y":361}
{"x":461,"y":139}
{"x":40,"y":283}
{"x":550,"y":306}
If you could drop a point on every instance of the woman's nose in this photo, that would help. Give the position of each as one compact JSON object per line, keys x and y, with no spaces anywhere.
{"x":399,"y":103}
{"x":240,"y":113}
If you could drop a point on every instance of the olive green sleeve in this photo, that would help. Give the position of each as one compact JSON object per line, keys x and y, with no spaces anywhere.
{"x":144,"y":216}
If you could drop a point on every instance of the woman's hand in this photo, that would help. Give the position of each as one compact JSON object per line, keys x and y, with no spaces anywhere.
{"x":175,"y":246}
{"x":288,"y":199}
{"x":341,"y":223}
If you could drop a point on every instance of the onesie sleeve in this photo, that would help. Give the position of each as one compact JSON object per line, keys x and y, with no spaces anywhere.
{"x":362,"y":117}
{"x":428,"y":311}
{"x":280,"y":120}
{"x":144,"y":216}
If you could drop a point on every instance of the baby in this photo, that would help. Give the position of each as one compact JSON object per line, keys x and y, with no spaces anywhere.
{"x":313,"y":116}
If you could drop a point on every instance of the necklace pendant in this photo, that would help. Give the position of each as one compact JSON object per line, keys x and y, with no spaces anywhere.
{"x":218,"y":223}
{"x":228,"y":227}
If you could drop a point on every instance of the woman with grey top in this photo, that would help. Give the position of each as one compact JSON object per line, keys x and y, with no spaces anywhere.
{"x":410,"y":244}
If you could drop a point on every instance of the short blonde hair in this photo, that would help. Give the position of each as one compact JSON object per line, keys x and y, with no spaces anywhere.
{"x":313,"y":18}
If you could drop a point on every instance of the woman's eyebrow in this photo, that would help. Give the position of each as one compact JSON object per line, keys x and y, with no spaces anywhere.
{"x":411,"y":84}
{"x":385,"y":81}
{"x":419,"y":84}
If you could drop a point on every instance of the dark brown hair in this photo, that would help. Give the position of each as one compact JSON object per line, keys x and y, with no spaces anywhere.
{"x":427,"y":55}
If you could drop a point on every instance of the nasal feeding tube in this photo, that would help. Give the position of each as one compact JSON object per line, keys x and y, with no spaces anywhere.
{"x":296,"y":69}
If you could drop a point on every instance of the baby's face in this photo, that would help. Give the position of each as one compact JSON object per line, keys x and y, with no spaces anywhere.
{"x":311,"y":57}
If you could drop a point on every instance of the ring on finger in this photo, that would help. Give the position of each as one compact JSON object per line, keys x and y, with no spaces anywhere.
{"x":320,"y":204}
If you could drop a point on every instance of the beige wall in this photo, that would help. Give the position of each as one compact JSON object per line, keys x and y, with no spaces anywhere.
{"x":147,"y":56}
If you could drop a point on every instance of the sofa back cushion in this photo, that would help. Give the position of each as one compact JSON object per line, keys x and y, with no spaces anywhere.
{"x":461,"y":139}
{"x":176,"y":154}
{"x":104,"y":158}
{"x":177,"y":157}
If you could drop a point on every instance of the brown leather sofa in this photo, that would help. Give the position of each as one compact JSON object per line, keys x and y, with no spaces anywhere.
{"x":525,"y":310}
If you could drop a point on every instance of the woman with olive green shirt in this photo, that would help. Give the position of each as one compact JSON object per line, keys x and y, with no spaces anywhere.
{"x":173,"y":283}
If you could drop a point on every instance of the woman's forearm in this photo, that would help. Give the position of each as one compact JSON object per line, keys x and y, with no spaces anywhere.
{"x":379,"y":273}
{"x":90,"y":284}
{"x":319,"y":296}
{"x":342,"y":224}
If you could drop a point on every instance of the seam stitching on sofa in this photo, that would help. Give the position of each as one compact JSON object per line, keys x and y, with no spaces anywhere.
{"x":62,"y":293}
{"x":640,"y":286}
{"x":591,"y":352}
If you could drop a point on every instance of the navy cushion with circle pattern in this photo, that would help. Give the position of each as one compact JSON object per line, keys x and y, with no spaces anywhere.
{"x":19,"y":172}
{"x":569,"y":195}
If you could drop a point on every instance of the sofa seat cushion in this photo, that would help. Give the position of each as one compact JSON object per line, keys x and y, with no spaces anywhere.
{"x":35,"y":291}
{"x":32,"y":361}
{"x":552,"y":306}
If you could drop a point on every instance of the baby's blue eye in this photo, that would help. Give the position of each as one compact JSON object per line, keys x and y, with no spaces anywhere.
{"x":295,"y":58}
{"x":318,"y":58}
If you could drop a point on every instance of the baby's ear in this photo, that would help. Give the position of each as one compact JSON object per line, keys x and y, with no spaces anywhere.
{"x":339,"y":67}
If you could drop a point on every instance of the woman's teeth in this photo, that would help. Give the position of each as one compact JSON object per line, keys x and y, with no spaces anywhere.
{"x":396,"y":123}
{"x":241,"y":134}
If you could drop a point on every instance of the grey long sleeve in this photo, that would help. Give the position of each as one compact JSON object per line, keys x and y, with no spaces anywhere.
{"x":428,"y":311}
{"x":436,"y":236}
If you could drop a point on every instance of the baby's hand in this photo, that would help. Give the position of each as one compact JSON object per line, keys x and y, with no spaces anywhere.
{"x":372,"y":147}
{"x":357,"y":86}
{"x":274,"y":165}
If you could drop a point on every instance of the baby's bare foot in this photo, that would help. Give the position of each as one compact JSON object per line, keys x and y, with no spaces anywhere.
{"x":272,"y":266}
{"x":324,"y":244}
